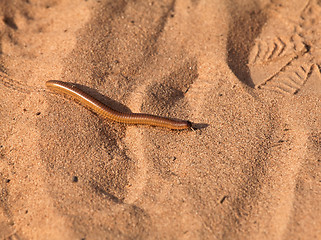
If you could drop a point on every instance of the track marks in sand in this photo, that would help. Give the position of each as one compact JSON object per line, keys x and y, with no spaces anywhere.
{"x":284,"y":50}
{"x":265,"y":51}
{"x":18,"y":86}
{"x":283,"y":60}
{"x":290,"y":79}
{"x":15,"y":85}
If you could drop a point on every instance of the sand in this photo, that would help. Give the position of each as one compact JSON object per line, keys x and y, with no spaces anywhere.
{"x":246,"y":73}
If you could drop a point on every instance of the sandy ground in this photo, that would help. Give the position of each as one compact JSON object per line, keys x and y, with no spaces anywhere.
{"x":248,"y":69}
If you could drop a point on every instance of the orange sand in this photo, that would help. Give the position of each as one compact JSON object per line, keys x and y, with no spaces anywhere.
{"x":249,"y":69}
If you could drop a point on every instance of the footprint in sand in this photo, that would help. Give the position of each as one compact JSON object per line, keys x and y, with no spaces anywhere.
{"x":286,"y":56}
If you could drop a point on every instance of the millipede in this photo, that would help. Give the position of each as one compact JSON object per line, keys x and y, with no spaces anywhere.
{"x":107,"y":112}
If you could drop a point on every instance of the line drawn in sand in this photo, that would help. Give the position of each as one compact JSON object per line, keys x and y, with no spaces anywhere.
{"x":289,"y":60}
{"x":15,"y":85}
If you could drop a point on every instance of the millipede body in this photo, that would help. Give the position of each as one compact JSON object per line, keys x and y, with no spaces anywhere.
{"x":105,"y":111}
